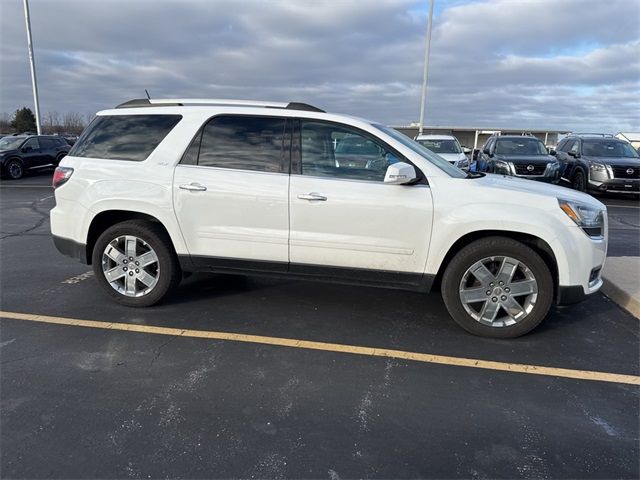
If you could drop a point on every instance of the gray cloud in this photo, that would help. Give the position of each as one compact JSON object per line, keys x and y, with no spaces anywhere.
{"x":559,"y":64}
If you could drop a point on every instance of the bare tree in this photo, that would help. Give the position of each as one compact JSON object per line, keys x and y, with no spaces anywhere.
{"x":51,"y":123}
{"x":5,"y":123}
{"x":72,"y":123}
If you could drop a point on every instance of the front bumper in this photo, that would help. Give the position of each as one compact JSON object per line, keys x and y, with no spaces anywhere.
{"x":568,"y":295}
{"x":615,"y":185}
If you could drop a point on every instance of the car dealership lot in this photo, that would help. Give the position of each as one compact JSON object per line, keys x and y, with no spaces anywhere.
{"x":79,"y":401}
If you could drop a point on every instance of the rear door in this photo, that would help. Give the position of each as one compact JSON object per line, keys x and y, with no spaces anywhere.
{"x":343,"y":215}
{"x":48,"y":149}
{"x":231,"y":192}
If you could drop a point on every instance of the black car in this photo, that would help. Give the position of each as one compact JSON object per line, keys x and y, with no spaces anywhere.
{"x":600,"y":163}
{"x":519,"y":156}
{"x":21,"y":153}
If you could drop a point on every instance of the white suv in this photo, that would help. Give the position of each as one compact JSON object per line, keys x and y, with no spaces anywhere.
{"x":156,"y":189}
{"x":448,"y":147}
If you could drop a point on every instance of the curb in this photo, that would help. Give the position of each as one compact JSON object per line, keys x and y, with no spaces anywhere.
{"x":622,"y":298}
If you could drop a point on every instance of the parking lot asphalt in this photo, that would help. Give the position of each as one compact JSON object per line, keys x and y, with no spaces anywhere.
{"x":92,"y":402}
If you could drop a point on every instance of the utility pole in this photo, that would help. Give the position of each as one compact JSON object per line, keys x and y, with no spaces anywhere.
{"x":425,"y":75}
{"x":32,"y":62}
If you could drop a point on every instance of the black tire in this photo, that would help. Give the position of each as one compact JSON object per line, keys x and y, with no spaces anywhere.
{"x":490,"y":247}
{"x":169,"y":272}
{"x":579,"y":181}
{"x":14,"y":169}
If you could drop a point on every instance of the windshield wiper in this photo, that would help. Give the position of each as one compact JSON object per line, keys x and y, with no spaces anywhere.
{"x":475,"y":175}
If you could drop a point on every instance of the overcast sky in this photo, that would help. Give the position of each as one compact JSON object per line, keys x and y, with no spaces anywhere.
{"x":558,"y":64}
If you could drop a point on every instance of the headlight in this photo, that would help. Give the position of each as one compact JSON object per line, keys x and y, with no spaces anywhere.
{"x":590,"y":219}
{"x":600,"y":168}
{"x":502,"y":167}
{"x":463,"y":163}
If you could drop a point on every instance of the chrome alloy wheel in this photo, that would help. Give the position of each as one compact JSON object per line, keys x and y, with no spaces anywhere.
{"x":130,"y":266}
{"x":498,"y":291}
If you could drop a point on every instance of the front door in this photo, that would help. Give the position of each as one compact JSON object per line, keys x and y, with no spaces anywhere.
{"x":31,"y":154}
{"x":342,"y":214}
{"x":231,"y":192}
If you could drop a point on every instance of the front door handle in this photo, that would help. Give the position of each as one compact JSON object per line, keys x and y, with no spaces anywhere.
{"x":312,"y":197}
{"x":193,"y":187}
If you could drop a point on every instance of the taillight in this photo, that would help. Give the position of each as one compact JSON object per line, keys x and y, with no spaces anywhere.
{"x":60,"y":176}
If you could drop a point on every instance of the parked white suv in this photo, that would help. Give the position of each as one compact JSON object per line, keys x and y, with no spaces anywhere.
{"x":155,"y":189}
{"x":448,"y":147}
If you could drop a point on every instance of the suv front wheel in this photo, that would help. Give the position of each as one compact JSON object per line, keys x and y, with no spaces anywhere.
{"x":135,"y":263}
{"x":497,"y":287}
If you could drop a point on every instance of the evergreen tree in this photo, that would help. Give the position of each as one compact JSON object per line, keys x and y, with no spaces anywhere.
{"x":24,"y":121}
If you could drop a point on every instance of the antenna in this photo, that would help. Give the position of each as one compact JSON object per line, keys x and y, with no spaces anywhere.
{"x":147,"y":92}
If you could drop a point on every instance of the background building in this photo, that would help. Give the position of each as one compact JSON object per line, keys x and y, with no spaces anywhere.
{"x":474,"y":137}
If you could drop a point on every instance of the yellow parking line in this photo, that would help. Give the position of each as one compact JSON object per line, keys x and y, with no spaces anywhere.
{"x":334,"y":347}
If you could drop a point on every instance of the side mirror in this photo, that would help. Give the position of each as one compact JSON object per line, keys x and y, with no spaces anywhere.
{"x":574,"y":154}
{"x":400,"y":173}
{"x":466,"y":150}
{"x":26,"y":149}
{"x":552,"y":152}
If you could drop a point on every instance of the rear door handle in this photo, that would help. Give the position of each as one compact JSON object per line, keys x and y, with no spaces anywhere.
{"x":193,"y":187}
{"x":312,"y":197}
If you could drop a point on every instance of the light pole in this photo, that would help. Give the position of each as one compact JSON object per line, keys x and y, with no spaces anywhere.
{"x":425,"y":74}
{"x":34,"y":82}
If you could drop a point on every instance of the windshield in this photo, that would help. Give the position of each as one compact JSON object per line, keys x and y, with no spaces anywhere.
{"x":10,"y":143}
{"x":608,"y":148}
{"x":440,"y":146}
{"x":427,"y":154}
{"x":520,"y":146}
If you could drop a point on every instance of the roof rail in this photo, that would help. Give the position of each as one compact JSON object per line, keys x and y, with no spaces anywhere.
{"x":591,"y":134}
{"x":145,"y":102}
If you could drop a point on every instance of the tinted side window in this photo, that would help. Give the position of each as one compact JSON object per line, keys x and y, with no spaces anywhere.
{"x":244,"y":143}
{"x":566,"y":146}
{"x":124,"y":137}
{"x":47,"y":144}
{"x":575,"y":148}
{"x":33,"y":143}
{"x":336,"y":151}
{"x":190,"y":156}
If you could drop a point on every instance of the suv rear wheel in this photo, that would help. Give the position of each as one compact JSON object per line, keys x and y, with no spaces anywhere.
{"x":497,"y":287}
{"x":135,"y":263}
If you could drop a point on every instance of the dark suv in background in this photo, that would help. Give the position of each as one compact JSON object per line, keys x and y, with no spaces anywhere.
{"x":599,"y":162}
{"x":522,"y":156}
{"x":20,"y":153}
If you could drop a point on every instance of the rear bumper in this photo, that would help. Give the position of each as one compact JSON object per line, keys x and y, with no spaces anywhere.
{"x":71,"y":248}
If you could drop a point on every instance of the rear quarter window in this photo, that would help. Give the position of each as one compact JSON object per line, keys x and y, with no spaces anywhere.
{"x":123,"y":137}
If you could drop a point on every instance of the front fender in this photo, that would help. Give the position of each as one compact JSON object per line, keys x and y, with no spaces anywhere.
{"x":454,"y":224}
